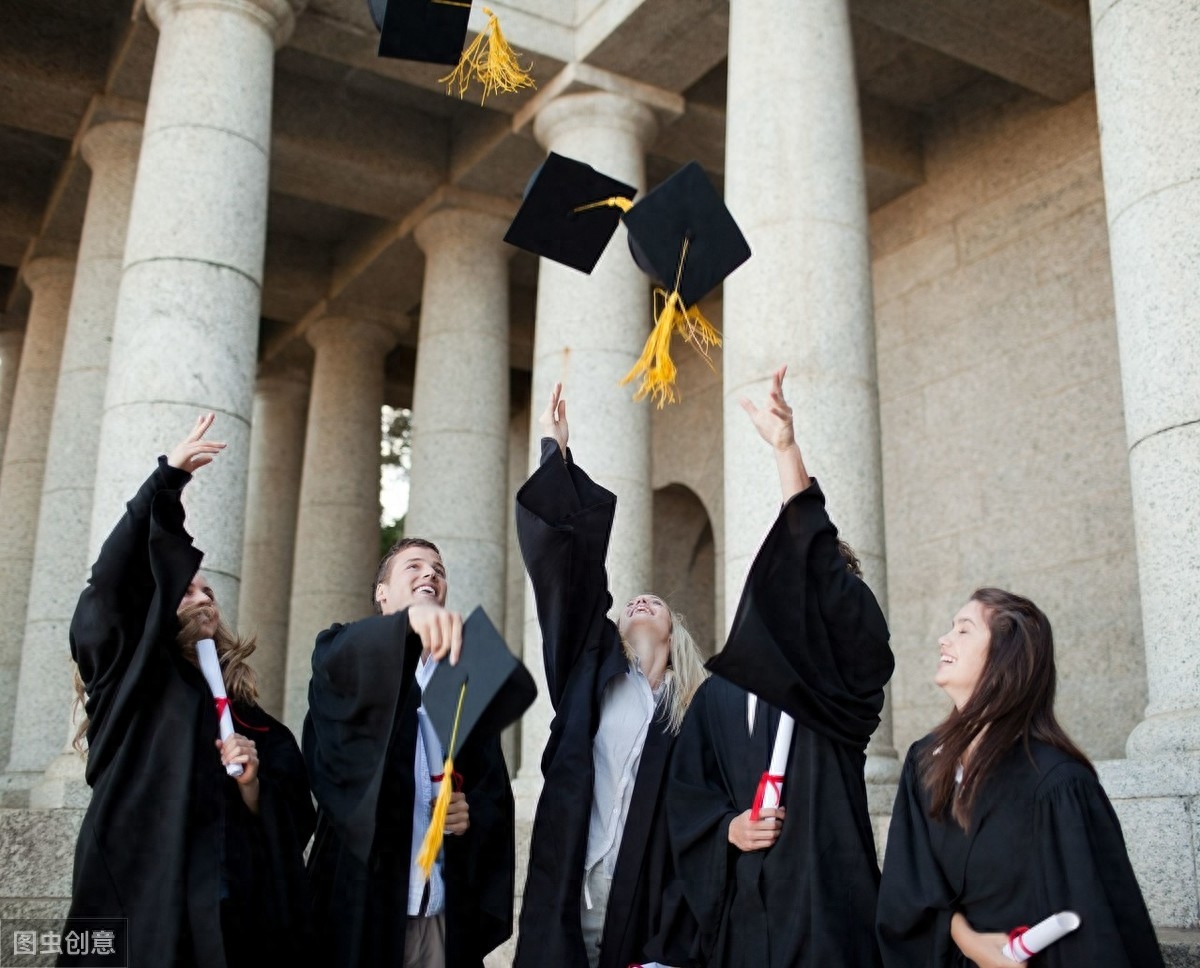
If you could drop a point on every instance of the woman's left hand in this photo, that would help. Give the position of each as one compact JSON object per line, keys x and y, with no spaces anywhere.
{"x":239,"y":749}
{"x":985,"y":949}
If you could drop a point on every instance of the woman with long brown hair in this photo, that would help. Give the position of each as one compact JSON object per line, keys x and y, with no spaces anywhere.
{"x":1000,"y":821}
{"x":186,"y":863}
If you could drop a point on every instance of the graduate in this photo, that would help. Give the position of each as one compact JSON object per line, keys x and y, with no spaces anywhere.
{"x":795,"y":888}
{"x":601,"y":889}
{"x":206,"y":867}
{"x":368,"y":753}
{"x":1000,"y":821}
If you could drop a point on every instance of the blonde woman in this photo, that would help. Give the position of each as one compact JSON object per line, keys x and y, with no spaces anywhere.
{"x":601,"y":889}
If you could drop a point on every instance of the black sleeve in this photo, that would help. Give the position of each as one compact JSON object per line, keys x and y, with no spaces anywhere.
{"x":699,"y":811}
{"x":112,"y":611}
{"x":915,"y":900}
{"x":1083,"y":867}
{"x":362,"y":672}
{"x":485,"y":855}
{"x":563,"y":524}
{"x":808,"y":636}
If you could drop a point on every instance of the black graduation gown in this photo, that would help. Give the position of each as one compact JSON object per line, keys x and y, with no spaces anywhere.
{"x":1043,"y":839}
{"x":563,"y":525}
{"x":808,"y":638}
{"x":359,"y":742}
{"x":166,"y":825}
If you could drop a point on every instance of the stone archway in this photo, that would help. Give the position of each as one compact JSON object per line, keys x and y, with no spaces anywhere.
{"x":685,"y":561}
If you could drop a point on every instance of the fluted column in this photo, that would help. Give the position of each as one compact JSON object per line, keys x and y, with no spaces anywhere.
{"x":458,"y":486}
{"x":809,"y":235}
{"x":10,"y":359}
{"x":49,"y":280}
{"x":1147,"y":56}
{"x":60,"y":560}
{"x":186,"y":333}
{"x":272,"y":500}
{"x":337,"y":525}
{"x":589,"y":333}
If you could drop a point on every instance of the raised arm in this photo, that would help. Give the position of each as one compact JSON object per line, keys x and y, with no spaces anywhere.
{"x":774,"y":425}
{"x":563,"y":524}
{"x":113,"y":609}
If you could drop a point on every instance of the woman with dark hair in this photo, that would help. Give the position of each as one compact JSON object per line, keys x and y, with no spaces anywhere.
{"x":1000,"y":821}
{"x":601,"y":889}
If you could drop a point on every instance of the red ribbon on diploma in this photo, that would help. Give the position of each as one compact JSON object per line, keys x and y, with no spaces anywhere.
{"x":773,"y":781}
{"x":1014,"y":939}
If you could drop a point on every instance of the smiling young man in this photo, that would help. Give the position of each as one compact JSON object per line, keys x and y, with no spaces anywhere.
{"x":365,"y":740}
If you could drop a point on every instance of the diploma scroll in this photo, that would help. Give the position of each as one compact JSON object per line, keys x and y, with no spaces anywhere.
{"x":210,"y":665}
{"x":1024,"y":943}
{"x":770,"y":786}
{"x":433,"y":748}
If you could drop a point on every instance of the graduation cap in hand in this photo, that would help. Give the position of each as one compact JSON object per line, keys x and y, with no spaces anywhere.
{"x":435,"y":31}
{"x":487,"y":690}
{"x":566,"y":215}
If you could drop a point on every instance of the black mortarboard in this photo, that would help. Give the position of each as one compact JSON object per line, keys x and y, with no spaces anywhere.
{"x":561,"y":218}
{"x":499,"y":687}
{"x":686,"y":207}
{"x":434,"y":31}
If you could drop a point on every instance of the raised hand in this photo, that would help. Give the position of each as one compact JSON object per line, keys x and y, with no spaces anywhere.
{"x":774,"y":420}
{"x":553,"y":420}
{"x":194,"y":451}
{"x":440,"y":630}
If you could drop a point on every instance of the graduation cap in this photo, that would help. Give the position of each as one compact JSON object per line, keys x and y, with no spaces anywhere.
{"x":435,"y":31}
{"x":682,"y":236}
{"x":487,"y":690}
{"x":566,"y":214}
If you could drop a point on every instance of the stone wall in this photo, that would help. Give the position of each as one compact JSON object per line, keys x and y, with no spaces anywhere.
{"x":1003,"y":432}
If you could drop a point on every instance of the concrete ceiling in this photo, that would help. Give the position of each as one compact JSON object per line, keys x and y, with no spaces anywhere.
{"x":362,"y":144}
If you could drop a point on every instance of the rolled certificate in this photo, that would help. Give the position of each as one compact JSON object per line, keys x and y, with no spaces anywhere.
{"x":433,"y":749}
{"x":210,"y":665}
{"x":770,"y":785}
{"x":1024,"y":943}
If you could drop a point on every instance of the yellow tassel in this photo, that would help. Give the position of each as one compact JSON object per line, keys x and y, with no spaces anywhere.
{"x":431,"y":846}
{"x":491,"y":60}
{"x":655,"y":366}
{"x":617,"y":201}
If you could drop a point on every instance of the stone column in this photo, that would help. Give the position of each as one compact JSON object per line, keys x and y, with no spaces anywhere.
{"x":458,"y":487}
{"x":1146,"y":58}
{"x":10,"y":360}
{"x":60,"y":560}
{"x":589,"y":333}
{"x":809,"y":235}
{"x":49,"y":280}
{"x":272,"y":499}
{"x":186,"y":333}
{"x":337,"y":525}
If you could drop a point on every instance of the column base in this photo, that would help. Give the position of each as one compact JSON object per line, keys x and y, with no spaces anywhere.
{"x":1167,"y":734}
{"x":1158,"y":803}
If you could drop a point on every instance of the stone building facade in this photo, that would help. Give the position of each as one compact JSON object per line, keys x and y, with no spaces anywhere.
{"x":975,"y":239}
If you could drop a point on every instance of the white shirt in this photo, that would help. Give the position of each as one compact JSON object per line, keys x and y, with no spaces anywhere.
{"x":626,"y":711}
{"x":422,"y":811}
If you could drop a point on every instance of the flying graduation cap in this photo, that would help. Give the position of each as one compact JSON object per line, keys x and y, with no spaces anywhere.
{"x":680,"y":234}
{"x":435,"y":31}
{"x":487,"y":690}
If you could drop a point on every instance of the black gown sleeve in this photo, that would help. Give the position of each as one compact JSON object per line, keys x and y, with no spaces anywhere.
{"x":915,"y":899}
{"x":808,"y":636}
{"x":362,"y":672}
{"x":564,"y":520}
{"x":699,"y":811}
{"x":1082,"y":866}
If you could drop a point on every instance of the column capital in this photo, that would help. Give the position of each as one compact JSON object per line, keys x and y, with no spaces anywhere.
{"x":277,"y":17}
{"x":593,"y":109}
{"x":341,"y":330}
{"x":48,"y":271}
{"x":111,"y":141}
{"x":464,"y":227}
